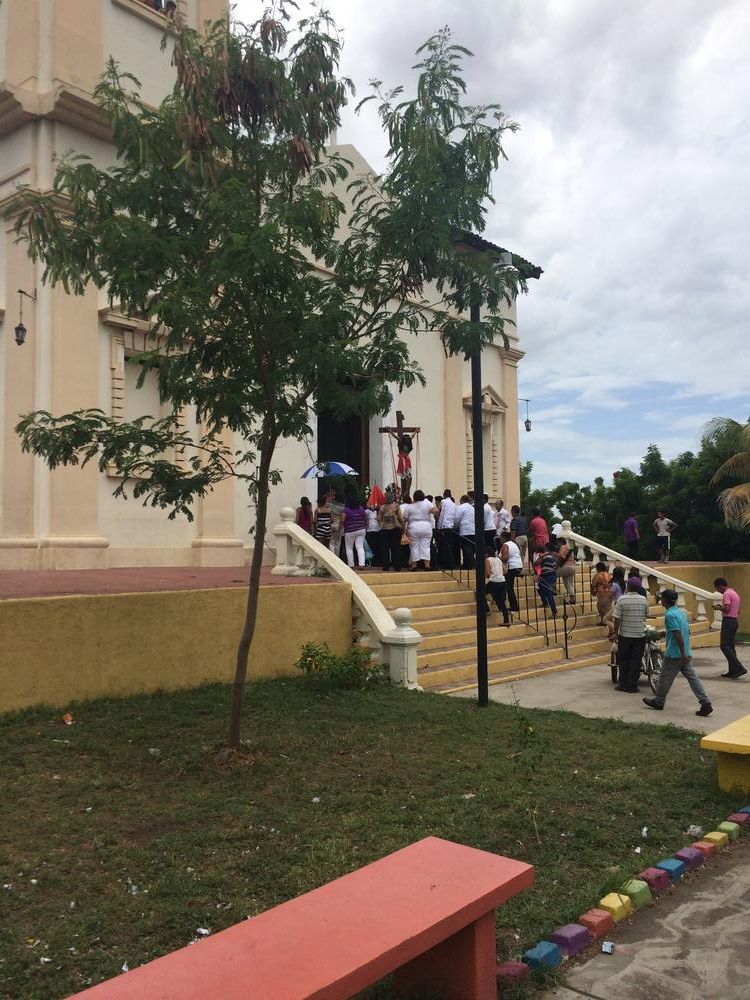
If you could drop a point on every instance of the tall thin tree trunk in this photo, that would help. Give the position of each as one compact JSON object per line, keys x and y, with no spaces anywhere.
{"x":253,"y":586}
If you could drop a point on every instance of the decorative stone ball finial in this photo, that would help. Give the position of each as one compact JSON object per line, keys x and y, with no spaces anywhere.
{"x":402,"y":618}
{"x":287,"y":514}
{"x":566,"y":527}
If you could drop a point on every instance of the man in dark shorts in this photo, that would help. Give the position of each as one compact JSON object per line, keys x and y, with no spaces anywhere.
{"x":730,"y":612}
{"x":664,"y":528}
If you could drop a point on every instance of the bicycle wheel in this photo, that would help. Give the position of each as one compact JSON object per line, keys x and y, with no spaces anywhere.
{"x":655,"y":663}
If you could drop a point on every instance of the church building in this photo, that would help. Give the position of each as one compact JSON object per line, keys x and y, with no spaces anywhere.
{"x":77,"y":350}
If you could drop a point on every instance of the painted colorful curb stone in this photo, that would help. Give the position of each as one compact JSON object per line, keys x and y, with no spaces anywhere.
{"x":690,"y":856}
{"x":674,"y":868}
{"x":732,"y":830}
{"x":598,"y":922}
{"x":571,"y":938}
{"x":656,"y":879}
{"x":706,"y":848}
{"x":637,"y":892}
{"x":717,"y":837}
{"x":512,"y":973}
{"x":544,"y":955}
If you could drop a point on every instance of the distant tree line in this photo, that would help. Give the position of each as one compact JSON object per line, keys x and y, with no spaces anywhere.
{"x":690,"y":489}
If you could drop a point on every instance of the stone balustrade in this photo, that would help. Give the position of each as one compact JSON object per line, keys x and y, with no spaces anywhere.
{"x":600,"y":553}
{"x":390,"y":636}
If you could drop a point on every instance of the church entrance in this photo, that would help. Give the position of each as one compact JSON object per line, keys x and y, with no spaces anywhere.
{"x":346,"y":440}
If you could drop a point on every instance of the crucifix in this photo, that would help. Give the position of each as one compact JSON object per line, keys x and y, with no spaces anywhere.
{"x":405,"y":444}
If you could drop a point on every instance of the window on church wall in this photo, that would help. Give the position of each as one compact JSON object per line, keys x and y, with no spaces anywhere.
{"x":143,"y":401}
{"x":493,"y":442}
{"x":128,"y":400}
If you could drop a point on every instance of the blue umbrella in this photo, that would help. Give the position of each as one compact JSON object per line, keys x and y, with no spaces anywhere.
{"x":323,"y":469}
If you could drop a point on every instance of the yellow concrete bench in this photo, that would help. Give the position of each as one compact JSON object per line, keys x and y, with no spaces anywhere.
{"x":732,"y":747}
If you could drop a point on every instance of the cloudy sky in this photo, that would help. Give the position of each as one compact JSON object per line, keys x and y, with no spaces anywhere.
{"x":627,"y":183}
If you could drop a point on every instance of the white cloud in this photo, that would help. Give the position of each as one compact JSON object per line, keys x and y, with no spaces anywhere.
{"x":627,"y":183}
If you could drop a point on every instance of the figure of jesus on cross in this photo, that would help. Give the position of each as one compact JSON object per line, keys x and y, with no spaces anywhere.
{"x":403,"y":437}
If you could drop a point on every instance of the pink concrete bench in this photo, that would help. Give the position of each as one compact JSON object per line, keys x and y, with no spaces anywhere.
{"x":425,"y":913}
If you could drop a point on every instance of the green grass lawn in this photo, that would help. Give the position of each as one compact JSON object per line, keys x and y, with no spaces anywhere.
{"x":124,"y":833}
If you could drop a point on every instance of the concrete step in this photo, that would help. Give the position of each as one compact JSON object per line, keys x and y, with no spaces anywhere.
{"x":704,"y":639}
{"x":450,"y":655}
{"x":465,"y":673}
{"x":415,"y":586}
{"x":439,"y":638}
{"x":414,"y":601}
{"x":535,"y":670}
{"x":430,"y":612}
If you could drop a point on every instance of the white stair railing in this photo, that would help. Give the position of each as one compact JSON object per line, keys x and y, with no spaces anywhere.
{"x":390,"y":636}
{"x":598,"y":552}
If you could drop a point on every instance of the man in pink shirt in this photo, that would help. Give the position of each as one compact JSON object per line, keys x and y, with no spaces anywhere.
{"x":730,"y":608}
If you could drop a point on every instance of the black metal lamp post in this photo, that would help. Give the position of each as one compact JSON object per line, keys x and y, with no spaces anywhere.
{"x":20,"y":329}
{"x":483,"y":692}
{"x":470,"y":243}
{"x":527,"y":421}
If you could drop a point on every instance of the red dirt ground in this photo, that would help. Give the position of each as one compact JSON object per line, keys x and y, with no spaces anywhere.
{"x":137,"y":579}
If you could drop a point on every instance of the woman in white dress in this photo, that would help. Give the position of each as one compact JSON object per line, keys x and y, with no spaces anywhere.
{"x":418,"y":516}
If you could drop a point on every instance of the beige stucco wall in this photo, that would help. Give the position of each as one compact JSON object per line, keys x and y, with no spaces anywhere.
{"x":61,"y":649}
{"x":703,"y":575}
{"x":51,"y":55}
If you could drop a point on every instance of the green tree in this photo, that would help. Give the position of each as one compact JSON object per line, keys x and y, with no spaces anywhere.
{"x":687,"y":488}
{"x":734,"y":500}
{"x":221,"y":225}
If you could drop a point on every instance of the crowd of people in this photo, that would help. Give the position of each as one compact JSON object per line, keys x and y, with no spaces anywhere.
{"x":425,"y":531}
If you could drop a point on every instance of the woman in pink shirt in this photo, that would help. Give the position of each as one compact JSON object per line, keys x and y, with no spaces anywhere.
{"x":539,"y":530}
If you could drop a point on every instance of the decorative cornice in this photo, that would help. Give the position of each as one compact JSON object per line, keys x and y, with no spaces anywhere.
{"x":160,"y":20}
{"x":67,"y":104}
{"x":513,"y":354}
{"x":113,"y":317}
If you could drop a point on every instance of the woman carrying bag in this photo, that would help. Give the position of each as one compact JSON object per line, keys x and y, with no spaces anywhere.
{"x":391,"y":526}
{"x":566,"y":569}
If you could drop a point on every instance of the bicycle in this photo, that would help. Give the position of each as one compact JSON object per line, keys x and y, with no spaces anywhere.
{"x":653,"y":659}
{"x":652,"y":663}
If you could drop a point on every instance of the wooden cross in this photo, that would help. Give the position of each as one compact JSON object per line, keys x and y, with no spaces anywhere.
{"x":399,"y":429}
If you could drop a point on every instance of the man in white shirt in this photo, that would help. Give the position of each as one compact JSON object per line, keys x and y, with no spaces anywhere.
{"x":447,"y":542}
{"x":490,"y":524}
{"x":502,"y":518}
{"x":464,"y":525}
{"x":664,"y":528}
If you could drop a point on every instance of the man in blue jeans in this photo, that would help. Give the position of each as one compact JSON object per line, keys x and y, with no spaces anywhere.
{"x":677,"y":656}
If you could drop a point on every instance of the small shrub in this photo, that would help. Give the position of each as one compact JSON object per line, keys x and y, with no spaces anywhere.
{"x":322,"y":572}
{"x":356,"y":669}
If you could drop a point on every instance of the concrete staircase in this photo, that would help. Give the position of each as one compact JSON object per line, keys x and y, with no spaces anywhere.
{"x":444,"y":612}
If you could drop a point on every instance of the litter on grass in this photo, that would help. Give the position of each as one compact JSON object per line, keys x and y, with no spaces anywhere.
{"x":68,"y":719}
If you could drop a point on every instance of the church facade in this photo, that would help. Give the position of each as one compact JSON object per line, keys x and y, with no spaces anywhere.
{"x":78,"y":350}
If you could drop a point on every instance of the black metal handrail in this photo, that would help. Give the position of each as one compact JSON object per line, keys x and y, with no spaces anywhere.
{"x":531,"y":612}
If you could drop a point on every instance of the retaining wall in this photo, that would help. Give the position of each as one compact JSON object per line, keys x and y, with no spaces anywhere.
{"x":55,"y":650}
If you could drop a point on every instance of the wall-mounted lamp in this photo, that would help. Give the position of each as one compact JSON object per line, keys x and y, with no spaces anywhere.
{"x":527,"y":421}
{"x":20,"y":330}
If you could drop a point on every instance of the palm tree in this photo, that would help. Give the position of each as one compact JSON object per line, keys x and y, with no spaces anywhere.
{"x":735,"y":500}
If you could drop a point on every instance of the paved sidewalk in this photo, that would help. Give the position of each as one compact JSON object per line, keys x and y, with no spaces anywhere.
{"x":589,"y":691}
{"x":690,"y":945}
